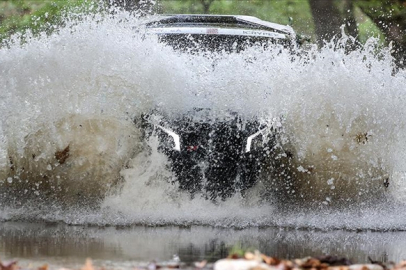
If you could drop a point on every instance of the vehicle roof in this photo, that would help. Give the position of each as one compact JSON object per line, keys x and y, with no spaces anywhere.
{"x":236,"y":25}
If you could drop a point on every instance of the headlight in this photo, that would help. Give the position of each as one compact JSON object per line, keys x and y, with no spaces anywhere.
{"x":175,"y":137}
{"x":251,"y":138}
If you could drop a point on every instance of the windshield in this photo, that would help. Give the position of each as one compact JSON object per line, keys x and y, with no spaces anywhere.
{"x":216,"y":43}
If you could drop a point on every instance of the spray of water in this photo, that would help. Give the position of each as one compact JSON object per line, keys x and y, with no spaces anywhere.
{"x":68,"y":102}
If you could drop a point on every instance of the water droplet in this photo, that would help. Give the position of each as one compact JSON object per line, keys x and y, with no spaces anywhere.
{"x":330,"y":181}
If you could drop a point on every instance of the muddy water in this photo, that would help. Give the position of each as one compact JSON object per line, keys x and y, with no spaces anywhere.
{"x":61,"y":245}
{"x":67,"y":105}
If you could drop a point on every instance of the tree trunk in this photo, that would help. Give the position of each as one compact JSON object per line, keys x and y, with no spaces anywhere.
{"x":145,"y":6}
{"x":349,"y":17}
{"x":128,"y":5}
{"x":390,"y":17}
{"x":327,"y":20}
{"x":206,"y":5}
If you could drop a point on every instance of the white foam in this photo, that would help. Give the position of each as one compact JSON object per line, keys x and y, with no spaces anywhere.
{"x":344,"y":116}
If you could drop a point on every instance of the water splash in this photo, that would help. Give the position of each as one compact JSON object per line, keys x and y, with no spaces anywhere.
{"x":68,"y":101}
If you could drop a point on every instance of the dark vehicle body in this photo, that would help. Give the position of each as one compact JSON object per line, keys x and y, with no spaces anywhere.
{"x":215,"y":155}
{"x":219,"y":32}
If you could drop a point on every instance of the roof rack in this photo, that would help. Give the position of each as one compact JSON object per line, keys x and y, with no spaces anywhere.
{"x":222,"y":20}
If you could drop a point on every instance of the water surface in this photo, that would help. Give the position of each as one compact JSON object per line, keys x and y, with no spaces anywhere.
{"x":61,"y":245}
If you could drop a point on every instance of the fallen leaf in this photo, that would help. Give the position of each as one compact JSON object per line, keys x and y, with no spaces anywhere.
{"x":88,"y":265}
{"x":44,"y":267}
{"x":61,"y":156}
{"x":270,"y":260}
{"x":201,"y":264}
{"x":8,"y":266}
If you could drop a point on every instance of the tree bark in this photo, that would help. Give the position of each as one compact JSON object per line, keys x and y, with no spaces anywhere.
{"x":206,"y":5}
{"x":144,"y":6}
{"x":128,"y":5}
{"x":327,"y":20}
{"x":390,"y":17}
{"x":349,"y":17}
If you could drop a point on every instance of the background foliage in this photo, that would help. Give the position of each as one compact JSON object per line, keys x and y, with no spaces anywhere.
{"x":318,"y":19}
{"x":36,"y":15}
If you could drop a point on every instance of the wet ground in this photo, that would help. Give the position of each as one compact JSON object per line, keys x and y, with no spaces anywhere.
{"x":127,"y":247}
